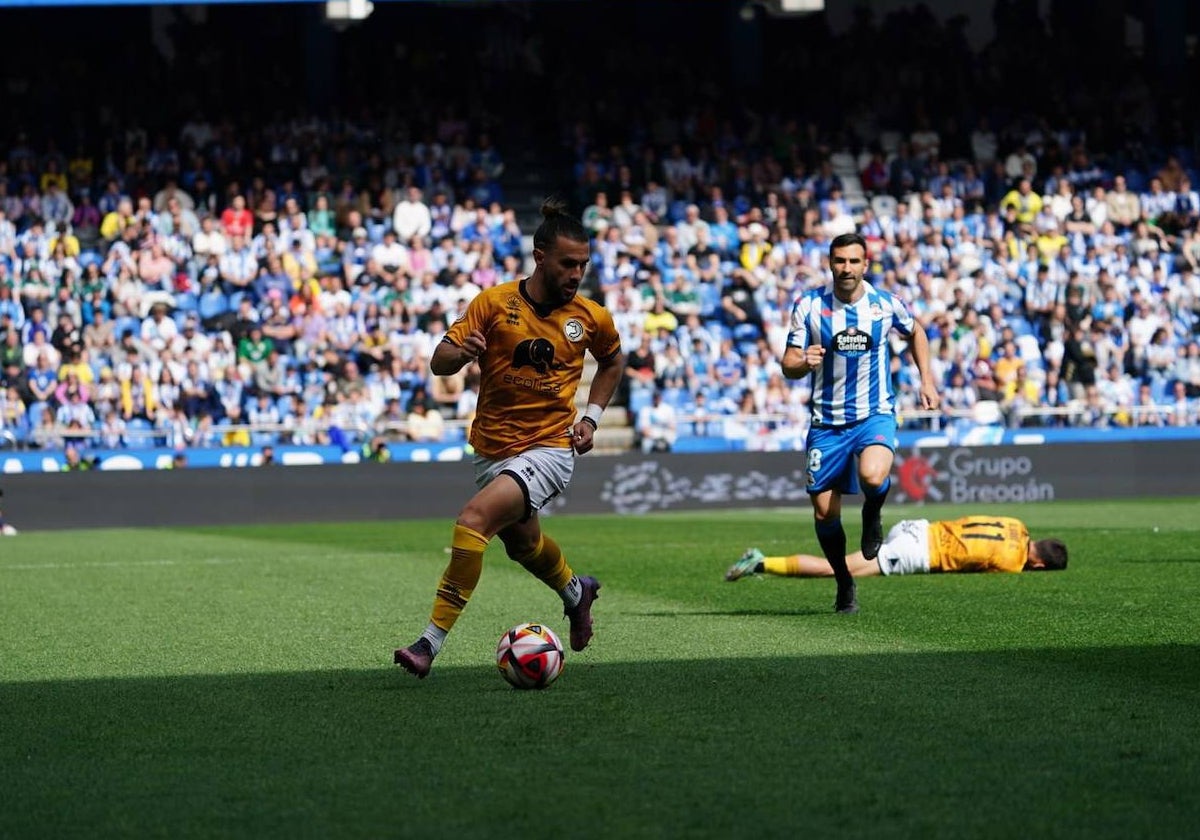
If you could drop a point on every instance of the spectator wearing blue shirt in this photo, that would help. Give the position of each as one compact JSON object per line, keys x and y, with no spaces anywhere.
{"x":506,"y":237}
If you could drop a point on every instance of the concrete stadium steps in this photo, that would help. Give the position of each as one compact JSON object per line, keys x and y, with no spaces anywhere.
{"x":616,"y":432}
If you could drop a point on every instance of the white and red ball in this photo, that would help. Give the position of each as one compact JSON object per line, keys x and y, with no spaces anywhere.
{"x":529,"y":656}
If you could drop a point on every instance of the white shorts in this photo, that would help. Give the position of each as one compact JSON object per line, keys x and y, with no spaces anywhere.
{"x":542,"y":473}
{"x":905,"y":550}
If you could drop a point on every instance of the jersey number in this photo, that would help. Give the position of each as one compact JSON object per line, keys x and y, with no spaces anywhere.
{"x":979,"y":535}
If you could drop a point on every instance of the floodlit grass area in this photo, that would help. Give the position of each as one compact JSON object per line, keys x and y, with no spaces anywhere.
{"x":238,"y":682}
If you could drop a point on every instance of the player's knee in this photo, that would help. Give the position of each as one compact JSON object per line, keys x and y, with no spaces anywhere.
{"x":871,"y":478}
{"x":870,"y":486}
{"x":474,"y":518}
{"x":825,"y":514}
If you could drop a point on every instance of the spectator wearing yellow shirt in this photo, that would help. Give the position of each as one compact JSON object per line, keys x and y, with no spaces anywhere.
{"x":69,"y":240}
{"x":755,"y":247}
{"x":117,"y":221}
{"x":1027,"y":203}
{"x":1020,"y":392}
{"x":1007,"y":365}
{"x":236,"y":433}
{"x":660,"y":318}
{"x":52,"y":176}
{"x":138,"y":398}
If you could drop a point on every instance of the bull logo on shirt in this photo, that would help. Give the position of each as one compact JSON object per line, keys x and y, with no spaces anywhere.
{"x":852,"y":342}
{"x":537,"y":353}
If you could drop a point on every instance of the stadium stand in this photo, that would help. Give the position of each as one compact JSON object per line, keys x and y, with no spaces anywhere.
{"x":280,"y":278}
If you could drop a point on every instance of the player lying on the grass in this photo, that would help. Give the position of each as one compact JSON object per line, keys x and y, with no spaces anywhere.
{"x":917,"y":546}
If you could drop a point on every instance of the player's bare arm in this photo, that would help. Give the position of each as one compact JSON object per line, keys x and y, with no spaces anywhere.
{"x":919,"y":342}
{"x":449,"y":358}
{"x":604,"y":385}
{"x":798,"y":362}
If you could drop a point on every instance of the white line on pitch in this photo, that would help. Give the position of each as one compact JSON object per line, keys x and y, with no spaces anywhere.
{"x":210,"y":561}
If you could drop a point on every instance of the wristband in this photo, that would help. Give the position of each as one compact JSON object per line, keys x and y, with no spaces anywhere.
{"x":592,"y":415}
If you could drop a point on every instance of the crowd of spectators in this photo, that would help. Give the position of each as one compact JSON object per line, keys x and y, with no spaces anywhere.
{"x":183,"y":286}
{"x":1054,"y":290}
{"x":184,"y":296}
{"x":1048,"y":244}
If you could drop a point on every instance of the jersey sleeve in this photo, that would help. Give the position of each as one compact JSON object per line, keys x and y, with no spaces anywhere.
{"x":798,"y":329}
{"x":902,"y":318}
{"x":477,"y":317}
{"x":606,"y":341}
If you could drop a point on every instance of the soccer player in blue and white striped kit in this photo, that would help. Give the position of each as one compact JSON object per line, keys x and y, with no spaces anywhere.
{"x":839,"y":334}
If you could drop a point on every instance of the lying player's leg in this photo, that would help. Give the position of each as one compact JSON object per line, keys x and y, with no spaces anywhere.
{"x":754,"y":562}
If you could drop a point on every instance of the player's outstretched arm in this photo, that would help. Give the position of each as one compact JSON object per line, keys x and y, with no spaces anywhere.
{"x":604,"y":385}
{"x":919,"y":341}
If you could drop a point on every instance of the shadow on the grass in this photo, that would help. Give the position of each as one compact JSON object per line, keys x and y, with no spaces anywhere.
{"x":735,"y":613}
{"x":695,"y":748}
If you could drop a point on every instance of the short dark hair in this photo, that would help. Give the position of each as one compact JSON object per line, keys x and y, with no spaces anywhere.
{"x":556,"y":222}
{"x":1053,"y":554}
{"x":845,"y":239}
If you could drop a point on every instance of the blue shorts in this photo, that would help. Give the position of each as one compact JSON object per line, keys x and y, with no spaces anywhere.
{"x":832,"y":450}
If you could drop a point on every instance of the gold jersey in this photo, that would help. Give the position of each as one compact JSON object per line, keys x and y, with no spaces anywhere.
{"x":978,"y":544}
{"x":531,"y":368}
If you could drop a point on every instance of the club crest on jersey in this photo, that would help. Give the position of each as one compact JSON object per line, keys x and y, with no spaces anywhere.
{"x":573,"y":329}
{"x":851,"y":342}
{"x":876,"y":310}
{"x":513,"y":315}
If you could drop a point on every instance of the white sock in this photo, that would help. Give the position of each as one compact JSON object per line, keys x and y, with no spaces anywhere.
{"x":572,"y":593}
{"x":435,"y":636}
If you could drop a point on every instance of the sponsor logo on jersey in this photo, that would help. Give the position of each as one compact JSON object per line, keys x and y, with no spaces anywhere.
{"x":852,"y":342}
{"x":573,"y":329}
{"x":537,"y":353}
{"x":542,"y":386}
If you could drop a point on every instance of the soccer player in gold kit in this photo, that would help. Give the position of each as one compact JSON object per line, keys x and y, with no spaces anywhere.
{"x":916,"y":546}
{"x":529,"y":338}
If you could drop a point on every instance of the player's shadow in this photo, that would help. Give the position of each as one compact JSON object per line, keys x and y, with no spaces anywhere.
{"x":743,"y":612}
{"x":649,"y":748}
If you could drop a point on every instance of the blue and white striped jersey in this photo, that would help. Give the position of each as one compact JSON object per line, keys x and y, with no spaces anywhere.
{"x":854,"y":381}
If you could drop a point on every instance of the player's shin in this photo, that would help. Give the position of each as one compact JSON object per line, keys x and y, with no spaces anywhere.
{"x":547,"y":564}
{"x":872,"y":524}
{"x":875,"y":496}
{"x":832,"y":537}
{"x":460,"y":578}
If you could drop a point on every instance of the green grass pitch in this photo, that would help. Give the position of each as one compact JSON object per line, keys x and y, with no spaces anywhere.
{"x":238,"y":682}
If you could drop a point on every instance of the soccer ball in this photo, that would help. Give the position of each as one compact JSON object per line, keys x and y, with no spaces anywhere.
{"x":529,"y":656}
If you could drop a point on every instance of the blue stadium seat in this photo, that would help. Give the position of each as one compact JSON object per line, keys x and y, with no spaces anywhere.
{"x":677,"y":398}
{"x":185,"y":304}
{"x":126,"y":323}
{"x":710,"y":299}
{"x":639,"y":398}
{"x":1019,"y":325}
{"x":747,"y":332}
